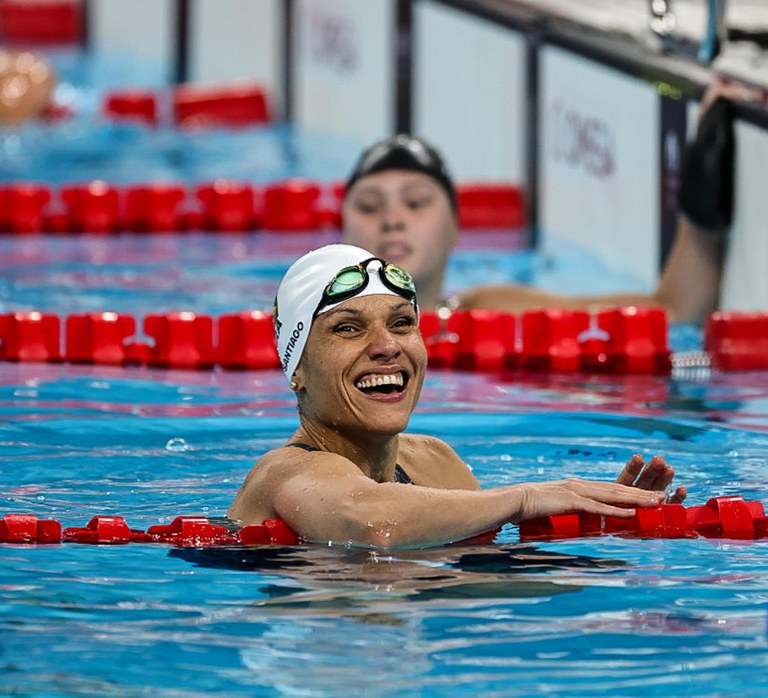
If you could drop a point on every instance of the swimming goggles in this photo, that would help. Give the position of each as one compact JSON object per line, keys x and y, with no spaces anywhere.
{"x":352,"y":280}
{"x":412,"y":146}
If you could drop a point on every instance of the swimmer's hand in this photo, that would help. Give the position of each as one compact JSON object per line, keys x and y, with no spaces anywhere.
{"x":656,"y":475}
{"x":576,"y":496}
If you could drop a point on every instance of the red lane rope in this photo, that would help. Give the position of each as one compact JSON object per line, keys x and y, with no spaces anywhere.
{"x":185,"y":531}
{"x":721,"y":517}
{"x":98,"y":207}
{"x":619,"y":340}
{"x":623,"y":340}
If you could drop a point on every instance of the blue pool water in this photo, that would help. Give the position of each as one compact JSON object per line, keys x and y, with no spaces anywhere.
{"x":607,"y":616}
{"x":601,"y":616}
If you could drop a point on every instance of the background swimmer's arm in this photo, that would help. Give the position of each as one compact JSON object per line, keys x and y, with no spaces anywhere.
{"x":689,"y":287}
{"x":515,"y":298}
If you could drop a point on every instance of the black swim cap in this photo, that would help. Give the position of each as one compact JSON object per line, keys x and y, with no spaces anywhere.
{"x":404,"y":152}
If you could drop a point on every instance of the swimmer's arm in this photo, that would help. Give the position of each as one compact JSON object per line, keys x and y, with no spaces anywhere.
{"x":333,"y":501}
{"x":516,"y":298}
{"x":689,"y":286}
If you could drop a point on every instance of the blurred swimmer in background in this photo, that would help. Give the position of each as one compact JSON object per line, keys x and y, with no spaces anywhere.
{"x":400,"y":203}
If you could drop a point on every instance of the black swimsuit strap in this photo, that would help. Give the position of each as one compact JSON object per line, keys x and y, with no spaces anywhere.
{"x":306,"y":447}
{"x":400,"y":475}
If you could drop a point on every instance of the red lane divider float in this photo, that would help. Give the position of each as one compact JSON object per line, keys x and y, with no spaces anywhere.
{"x":26,"y":528}
{"x":30,"y":336}
{"x":228,"y":205}
{"x":156,"y":207}
{"x":93,"y":207}
{"x":221,"y":205}
{"x":43,"y":21}
{"x":721,"y":517}
{"x":246,"y":341}
{"x":21,"y":207}
{"x":623,"y":340}
{"x":489,"y":205}
{"x":131,"y":105}
{"x":225,"y":105}
{"x":183,"y":531}
{"x":737,"y":341}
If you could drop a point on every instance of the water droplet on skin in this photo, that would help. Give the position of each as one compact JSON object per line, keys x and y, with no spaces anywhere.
{"x":176,"y":445}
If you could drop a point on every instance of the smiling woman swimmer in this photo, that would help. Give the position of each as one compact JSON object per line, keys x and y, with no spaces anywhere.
{"x":348,"y":338}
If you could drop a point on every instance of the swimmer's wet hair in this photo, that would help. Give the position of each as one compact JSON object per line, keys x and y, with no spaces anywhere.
{"x":404,"y":152}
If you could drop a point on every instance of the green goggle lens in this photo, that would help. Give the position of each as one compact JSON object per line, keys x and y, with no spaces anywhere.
{"x":349,"y":279}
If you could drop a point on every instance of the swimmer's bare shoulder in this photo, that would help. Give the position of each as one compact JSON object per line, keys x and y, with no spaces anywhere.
{"x":256,"y":499}
{"x":430,"y":462}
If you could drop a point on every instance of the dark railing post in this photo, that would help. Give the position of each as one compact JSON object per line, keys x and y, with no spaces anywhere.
{"x":181,"y":26}
{"x":403,"y":47}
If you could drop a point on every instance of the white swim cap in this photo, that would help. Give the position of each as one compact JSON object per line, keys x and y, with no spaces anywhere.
{"x":301,"y":291}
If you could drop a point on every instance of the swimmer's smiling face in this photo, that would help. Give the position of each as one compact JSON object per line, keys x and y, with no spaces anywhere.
{"x":404,"y":217}
{"x":363,"y":366}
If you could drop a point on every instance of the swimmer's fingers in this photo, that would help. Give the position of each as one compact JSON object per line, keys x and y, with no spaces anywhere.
{"x":732,"y":91}
{"x":677,"y":497}
{"x":575,"y":496}
{"x":609,"y":499}
{"x":656,"y":475}
{"x":631,"y":470}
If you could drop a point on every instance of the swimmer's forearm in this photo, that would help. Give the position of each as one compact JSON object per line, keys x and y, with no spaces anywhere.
{"x":404,"y":516}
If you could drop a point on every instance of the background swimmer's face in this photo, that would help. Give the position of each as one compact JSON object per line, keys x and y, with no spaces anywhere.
{"x":404,"y":217}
